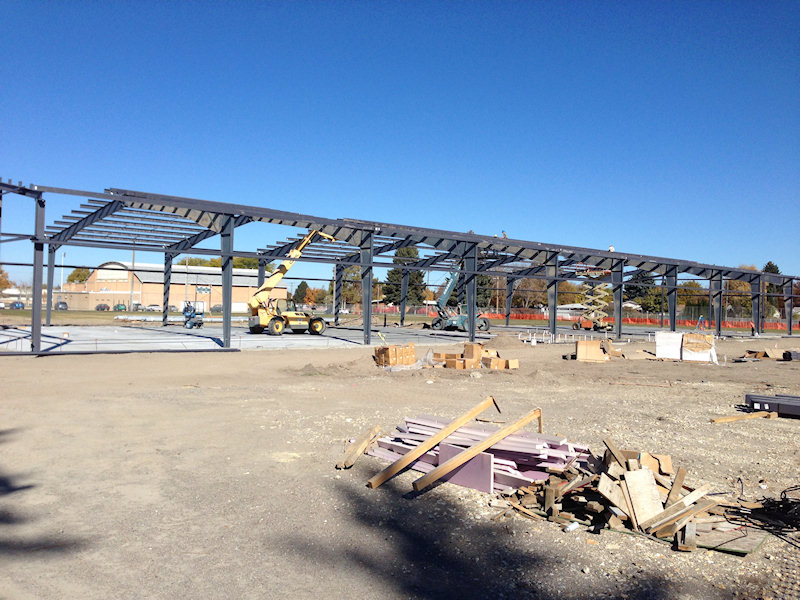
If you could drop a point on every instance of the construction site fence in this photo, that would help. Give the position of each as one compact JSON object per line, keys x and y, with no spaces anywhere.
{"x":646,"y":319}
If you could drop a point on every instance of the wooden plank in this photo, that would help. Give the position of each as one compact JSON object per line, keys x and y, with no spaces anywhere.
{"x":675,"y":492}
{"x":644,"y":495}
{"x":665,"y":516}
{"x":756,"y":415}
{"x":664,"y":463}
{"x":688,"y":538}
{"x":357,"y":448}
{"x":627,"y":495}
{"x":649,"y":461}
{"x":615,"y":452}
{"x":426,"y":445}
{"x":633,"y":464}
{"x":473,"y":450}
{"x":674,"y":523}
{"x":611,"y":492}
{"x":739,"y":542}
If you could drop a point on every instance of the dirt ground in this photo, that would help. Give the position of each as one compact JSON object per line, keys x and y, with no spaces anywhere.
{"x":211,"y":476}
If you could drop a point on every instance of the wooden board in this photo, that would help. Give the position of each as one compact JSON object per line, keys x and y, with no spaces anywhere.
{"x":473,"y":450}
{"x":357,"y":448}
{"x":739,"y":542}
{"x":615,"y":452}
{"x":645,"y":499}
{"x":677,"y":485}
{"x":423,"y":447}
{"x":611,"y":492}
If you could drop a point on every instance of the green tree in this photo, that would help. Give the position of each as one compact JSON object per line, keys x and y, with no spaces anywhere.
{"x":299,"y":295}
{"x":5,"y":282}
{"x":78,"y":275}
{"x":239,"y":262}
{"x":416,"y":279}
{"x":637,"y":285}
{"x":691,"y":293}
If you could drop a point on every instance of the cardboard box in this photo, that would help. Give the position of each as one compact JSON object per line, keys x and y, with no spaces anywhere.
{"x":454,"y":363}
{"x":590,"y":351}
{"x":387,"y":356}
{"x":473,"y":350}
{"x":512,"y":363}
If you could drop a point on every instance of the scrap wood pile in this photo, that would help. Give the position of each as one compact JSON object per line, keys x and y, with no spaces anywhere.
{"x":597,"y":351}
{"x":475,"y":356}
{"x":769,"y":354}
{"x":546,"y":477}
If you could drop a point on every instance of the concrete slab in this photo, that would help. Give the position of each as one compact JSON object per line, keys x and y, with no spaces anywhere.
{"x":144,"y":338}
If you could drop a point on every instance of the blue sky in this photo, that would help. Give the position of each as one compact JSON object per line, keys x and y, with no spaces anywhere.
{"x":663,"y":128}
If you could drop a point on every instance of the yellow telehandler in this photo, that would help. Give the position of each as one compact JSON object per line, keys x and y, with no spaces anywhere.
{"x":275,"y":315}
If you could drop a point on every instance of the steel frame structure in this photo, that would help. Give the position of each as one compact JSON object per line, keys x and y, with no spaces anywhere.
{"x":121,"y":219}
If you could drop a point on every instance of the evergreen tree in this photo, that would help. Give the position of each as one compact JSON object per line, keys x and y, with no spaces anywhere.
{"x":299,"y":295}
{"x":416,"y":279}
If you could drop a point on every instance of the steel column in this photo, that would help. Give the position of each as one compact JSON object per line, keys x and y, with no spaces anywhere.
{"x":167,"y":282}
{"x":338,"y":276}
{"x":51,"y":267}
{"x":788,"y":305}
{"x":617,"y":286}
{"x":38,"y":266}
{"x":756,"y":300}
{"x":470,"y":266}
{"x":551,"y":270}
{"x":715,"y":286}
{"x":262,"y":271}
{"x":509,"y":298}
{"x":672,"y":295}
{"x":226,"y":243}
{"x":366,"y":245}
{"x":403,"y":296}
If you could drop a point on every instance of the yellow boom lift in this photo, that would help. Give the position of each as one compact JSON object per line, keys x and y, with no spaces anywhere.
{"x":273,"y":314}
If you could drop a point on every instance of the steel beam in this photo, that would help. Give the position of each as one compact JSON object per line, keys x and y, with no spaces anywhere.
{"x":671,"y":276}
{"x":51,"y":267}
{"x":338,"y":276}
{"x":167,"y":281}
{"x":756,"y":300}
{"x":788,"y":304}
{"x":551,"y":268}
{"x":617,"y":287}
{"x":715,"y":287}
{"x":403,"y":296}
{"x":38,"y":266}
{"x":509,"y":297}
{"x":471,"y":281}
{"x":367,"y":244}
{"x":226,"y":246}
{"x":262,"y":271}
{"x":99,"y":214}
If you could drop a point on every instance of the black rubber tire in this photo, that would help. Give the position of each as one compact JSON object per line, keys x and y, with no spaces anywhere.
{"x":575,"y":326}
{"x":483,"y":324}
{"x":438,"y":323}
{"x":276,"y":326}
{"x":256,"y":330}
{"x":316,"y":326}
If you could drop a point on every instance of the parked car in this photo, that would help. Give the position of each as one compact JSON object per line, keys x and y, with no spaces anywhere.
{"x":217,"y":308}
{"x":137,"y":306}
{"x":172,"y":308}
{"x":16,"y":305}
{"x":153,"y":308}
{"x":61,"y":306}
{"x":102,"y":307}
{"x":2,"y":305}
{"x":120,"y":307}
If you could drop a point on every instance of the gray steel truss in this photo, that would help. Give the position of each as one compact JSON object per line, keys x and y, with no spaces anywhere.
{"x":121,"y":219}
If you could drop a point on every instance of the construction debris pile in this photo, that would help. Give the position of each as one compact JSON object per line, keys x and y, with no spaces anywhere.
{"x":475,"y":356}
{"x":546,"y":477}
{"x":770,"y":354}
{"x":520,"y":459}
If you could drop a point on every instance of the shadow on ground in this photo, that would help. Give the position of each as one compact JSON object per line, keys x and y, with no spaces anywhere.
{"x":435,"y":549}
{"x":16,"y":545}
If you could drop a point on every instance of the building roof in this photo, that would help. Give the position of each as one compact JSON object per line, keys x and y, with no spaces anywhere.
{"x":154,"y":273}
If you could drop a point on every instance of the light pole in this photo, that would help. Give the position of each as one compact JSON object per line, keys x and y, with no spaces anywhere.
{"x":61,"y":287}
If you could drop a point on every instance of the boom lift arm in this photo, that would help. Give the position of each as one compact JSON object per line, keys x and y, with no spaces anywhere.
{"x":261,"y":295}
